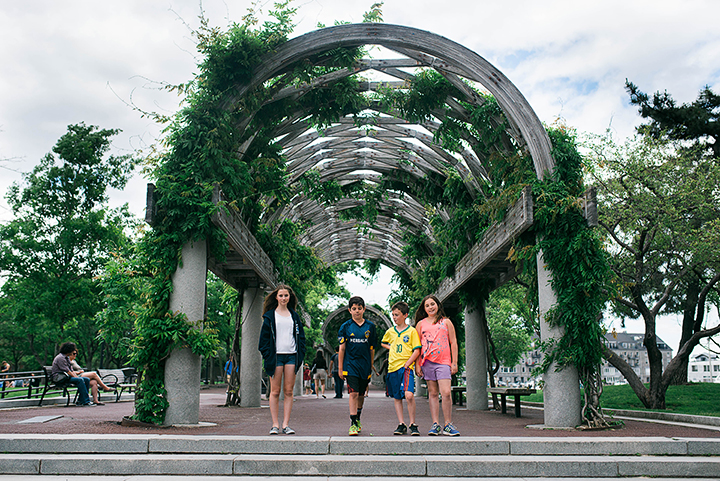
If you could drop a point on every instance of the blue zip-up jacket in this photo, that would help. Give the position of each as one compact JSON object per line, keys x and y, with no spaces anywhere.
{"x":267,"y":342}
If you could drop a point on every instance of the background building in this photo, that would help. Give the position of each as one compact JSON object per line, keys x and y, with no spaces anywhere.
{"x":704,"y":368}
{"x":626,"y":345}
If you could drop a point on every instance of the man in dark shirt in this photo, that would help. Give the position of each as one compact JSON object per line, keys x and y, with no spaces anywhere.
{"x":61,"y":365}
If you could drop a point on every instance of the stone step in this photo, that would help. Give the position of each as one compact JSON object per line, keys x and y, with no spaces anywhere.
{"x":354,"y":465}
{"x":388,"y":445}
{"x":527,"y":457}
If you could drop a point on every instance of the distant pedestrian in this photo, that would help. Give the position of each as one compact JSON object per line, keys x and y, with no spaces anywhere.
{"x":339,"y":383}
{"x":320,"y":373}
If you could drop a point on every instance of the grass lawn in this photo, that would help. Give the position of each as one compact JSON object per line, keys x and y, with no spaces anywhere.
{"x":699,"y":399}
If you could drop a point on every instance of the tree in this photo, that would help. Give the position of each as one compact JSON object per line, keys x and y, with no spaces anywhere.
{"x":509,"y":321}
{"x":697,"y":126}
{"x":60,"y":239}
{"x":660,"y":207}
{"x":698,"y":122}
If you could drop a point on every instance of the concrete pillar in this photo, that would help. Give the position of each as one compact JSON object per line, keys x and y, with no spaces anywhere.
{"x":298,"y":388}
{"x":476,"y":358}
{"x":250,"y":358}
{"x":182,"y":368}
{"x":561,"y":394}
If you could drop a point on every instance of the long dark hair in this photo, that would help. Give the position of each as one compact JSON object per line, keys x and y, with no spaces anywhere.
{"x":271,"y":302}
{"x":420,"y":314}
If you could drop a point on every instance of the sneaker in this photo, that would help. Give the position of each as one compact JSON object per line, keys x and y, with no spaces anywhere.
{"x":450,"y":430}
{"x":288,"y":430}
{"x":414,"y":430}
{"x":359,"y":426}
{"x":401,"y":429}
{"x":354,"y":431}
{"x":275,"y":430}
{"x":435,"y":430}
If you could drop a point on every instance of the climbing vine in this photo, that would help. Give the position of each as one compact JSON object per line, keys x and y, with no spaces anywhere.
{"x":216,"y":141}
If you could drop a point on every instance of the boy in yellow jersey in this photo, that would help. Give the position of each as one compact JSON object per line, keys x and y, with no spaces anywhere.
{"x":403,"y":342}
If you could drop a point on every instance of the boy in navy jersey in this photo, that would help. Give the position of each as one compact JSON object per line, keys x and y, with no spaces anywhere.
{"x":357,"y":338}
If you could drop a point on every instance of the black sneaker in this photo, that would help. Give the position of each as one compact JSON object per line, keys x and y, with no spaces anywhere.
{"x":414,"y":430}
{"x":401,"y":429}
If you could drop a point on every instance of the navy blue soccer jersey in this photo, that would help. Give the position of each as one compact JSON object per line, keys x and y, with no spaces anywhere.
{"x":358,"y":340}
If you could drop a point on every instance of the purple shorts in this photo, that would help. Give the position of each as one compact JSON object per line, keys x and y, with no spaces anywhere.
{"x":432,"y":371}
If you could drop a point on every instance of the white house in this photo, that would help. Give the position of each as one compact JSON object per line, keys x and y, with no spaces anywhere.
{"x":704,"y":367}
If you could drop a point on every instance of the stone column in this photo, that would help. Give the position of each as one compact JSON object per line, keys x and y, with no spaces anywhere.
{"x":561,"y":394}
{"x":250,"y":358}
{"x":182,"y":368}
{"x":298,"y":388}
{"x":476,"y":358}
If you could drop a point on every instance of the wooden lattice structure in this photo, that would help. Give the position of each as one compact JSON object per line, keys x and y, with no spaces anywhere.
{"x":383,"y":144}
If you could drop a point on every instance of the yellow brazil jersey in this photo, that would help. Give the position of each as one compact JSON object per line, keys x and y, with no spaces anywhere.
{"x":402,"y":344}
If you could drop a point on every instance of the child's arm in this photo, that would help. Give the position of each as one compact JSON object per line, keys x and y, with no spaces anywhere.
{"x":412,"y":358}
{"x":341,"y":358}
{"x":386,"y":346}
{"x":452,"y":338}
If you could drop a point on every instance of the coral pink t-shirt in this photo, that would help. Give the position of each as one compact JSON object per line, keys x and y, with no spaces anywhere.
{"x":435,"y":342}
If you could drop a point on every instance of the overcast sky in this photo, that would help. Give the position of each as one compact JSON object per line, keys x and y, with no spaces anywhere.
{"x":71,"y":61}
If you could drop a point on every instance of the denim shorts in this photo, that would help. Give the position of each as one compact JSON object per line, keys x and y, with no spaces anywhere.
{"x":433,"y":371}
{"x":283,"y":359}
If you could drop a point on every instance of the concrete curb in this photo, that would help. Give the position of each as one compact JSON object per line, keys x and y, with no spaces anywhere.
{"x":309,"y":445}
{"x":334,"y":465}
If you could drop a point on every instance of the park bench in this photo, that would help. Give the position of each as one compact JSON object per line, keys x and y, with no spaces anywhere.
{"x":119,"y":379}
{"x":15,"y":384}
{"x":511,"y":391}
{"x":52,"y":386}
{"x":457,"y":393}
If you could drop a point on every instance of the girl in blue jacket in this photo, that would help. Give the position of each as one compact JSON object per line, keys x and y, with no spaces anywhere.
{"x":282,"y":345}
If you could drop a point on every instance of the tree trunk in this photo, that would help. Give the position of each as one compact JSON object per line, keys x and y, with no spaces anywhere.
{"x":680,"y":376}
{"x":633,"y":380}
{"x":233,"y":390}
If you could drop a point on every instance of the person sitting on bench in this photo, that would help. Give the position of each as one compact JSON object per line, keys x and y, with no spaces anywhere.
{"x":95,"y":381}
{"x":62,"y":372}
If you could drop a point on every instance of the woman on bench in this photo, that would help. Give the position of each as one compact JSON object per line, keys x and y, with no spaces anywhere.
{"x":95,"y":380}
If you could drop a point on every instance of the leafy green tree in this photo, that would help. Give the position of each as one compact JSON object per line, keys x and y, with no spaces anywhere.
{"x":660,"y":207}
{"x":696,"y":126}
{"x":509,"y":321}
{"x":60,"y":239}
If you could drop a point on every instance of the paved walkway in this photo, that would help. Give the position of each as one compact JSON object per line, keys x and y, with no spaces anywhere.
{"x":316,"y":417}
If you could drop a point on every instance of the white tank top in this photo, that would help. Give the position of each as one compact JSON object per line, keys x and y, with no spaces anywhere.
{"x":284,"y":340}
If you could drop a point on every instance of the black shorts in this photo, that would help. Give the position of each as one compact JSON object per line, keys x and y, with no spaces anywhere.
{"x":357,"y":384}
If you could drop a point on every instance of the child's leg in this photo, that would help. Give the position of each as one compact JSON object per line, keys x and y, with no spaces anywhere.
{"x":288,"y":385}
{"x":399,"y":410}
{"x":433,"y":400}
{"x":360,"y":401}
{"x":354,"y":400}
{"x":444,"y":386}
{"x":275,"y":385}
{"x":410,"y":398}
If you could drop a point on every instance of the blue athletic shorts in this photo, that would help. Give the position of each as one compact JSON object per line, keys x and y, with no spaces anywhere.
{"x":399,"y":382}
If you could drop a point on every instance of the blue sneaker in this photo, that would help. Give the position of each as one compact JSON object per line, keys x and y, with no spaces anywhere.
{"x":435,"y":430}
{"x":450,"y":430}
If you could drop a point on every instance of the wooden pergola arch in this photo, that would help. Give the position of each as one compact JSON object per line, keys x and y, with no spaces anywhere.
{"x":383,"y":144}
{"x":354,"y":150}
